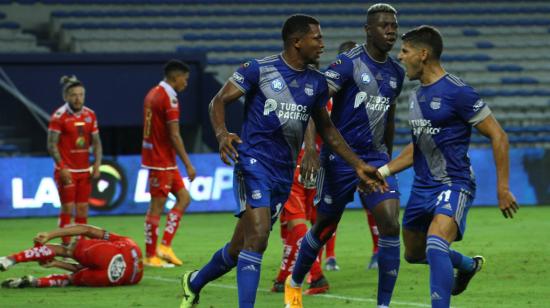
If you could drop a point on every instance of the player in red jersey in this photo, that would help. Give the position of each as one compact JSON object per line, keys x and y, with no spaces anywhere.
{"x":72,"y":130}
{"x":104,"y":259}
{"x":161,"y":143}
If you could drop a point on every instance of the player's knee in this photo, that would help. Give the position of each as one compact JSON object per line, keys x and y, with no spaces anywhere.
{"x":256,"y":243}
{"x":389,"y":227}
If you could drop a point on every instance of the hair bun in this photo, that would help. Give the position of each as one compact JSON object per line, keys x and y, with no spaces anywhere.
{"x":68,"y":79}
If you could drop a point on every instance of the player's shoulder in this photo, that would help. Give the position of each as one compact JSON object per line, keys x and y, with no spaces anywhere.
{"x":59,"y":112}
{"x":352,"y":54}
{"x":88,"y":110}
{"x":455,"y":82}
{"x":269,"y":60}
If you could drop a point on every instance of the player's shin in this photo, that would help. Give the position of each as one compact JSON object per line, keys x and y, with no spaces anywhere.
{"x":309,"y":250}
{"x":172,"y":224}
{"x":441,"y":271}
{"x":248,"y":277}
{"x":220,"y":264}
{"x":40,"y":253}
{"x":55,"y":280}
{"x":388,"y":267}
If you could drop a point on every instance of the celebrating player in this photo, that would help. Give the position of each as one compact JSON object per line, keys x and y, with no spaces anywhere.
{"x":104,"y":260}
{"x":281,"y":93}
{"x":72,"y":130}
{"x":161,"y":143}
{"x":366,"y":82}
{"x":442,"y":112}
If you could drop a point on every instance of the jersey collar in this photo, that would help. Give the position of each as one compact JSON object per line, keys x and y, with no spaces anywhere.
{"x":168,"y":88}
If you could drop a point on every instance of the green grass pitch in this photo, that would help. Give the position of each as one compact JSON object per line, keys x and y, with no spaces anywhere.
{"x":517,"y":273}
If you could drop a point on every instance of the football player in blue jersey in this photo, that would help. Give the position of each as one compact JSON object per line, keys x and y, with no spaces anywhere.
{"x":442,"y":112}
{"x":281,"y":93}
{"x":365,"y":83}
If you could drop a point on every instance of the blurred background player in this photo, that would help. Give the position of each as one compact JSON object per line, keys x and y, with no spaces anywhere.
{"x":298,"y":209}
{"x":161,"y":143}
{"x":365,"y":82}
{"x":282,"y":92}
{"x":103,"y":259}
{"x":72,"y":130}
{"x":442,"y":112}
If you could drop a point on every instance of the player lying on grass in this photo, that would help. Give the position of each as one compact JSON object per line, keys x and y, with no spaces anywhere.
{"x":103,"y":259}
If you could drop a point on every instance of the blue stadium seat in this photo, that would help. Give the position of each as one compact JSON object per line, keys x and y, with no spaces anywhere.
{"x":9,"y":25}
{"x":230,"y":36}
{"x":504,"y":68}
{"x":485,"y":45}
{"x":519,"y":80}
{"x":517,"y":92}
{"x":221,"y":48}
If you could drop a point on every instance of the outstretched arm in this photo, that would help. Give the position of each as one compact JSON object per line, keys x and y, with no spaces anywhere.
{"x":98,"y":154}
{"x":403,"y":161}
{"x":86,"y":230}
{"x":177,"y":143}
{"x":228,"y":94}
{"x":490,"y":128}
{"x":332,"y":137}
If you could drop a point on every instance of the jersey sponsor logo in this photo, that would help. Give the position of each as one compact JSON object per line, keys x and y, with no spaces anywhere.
{"x":174,"y":102}
{"x":308,"y":90}
{"x":286,"y":110}
{"x":478,"y":105}
{"x":117,"y":267}
{"x":88,"y":119}
{"x":332,"y":74}
{"x":372,"y":102}
{"x":435,"y":103}
{"x":365,"y":78}
{"x":277,"y":85}
{"x":393,"y":83}
{"x":423,"y":126}
{"x":337,"y":62}
{"x":238,"y":77}
{"x":246,"y":64}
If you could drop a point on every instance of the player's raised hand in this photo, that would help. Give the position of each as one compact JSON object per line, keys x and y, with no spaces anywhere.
{"x":227,"y":150}
{"x":42,"y":238}
{"x":507,"y":203}
{"x":191,"y":172}
{"x":371,"y":180}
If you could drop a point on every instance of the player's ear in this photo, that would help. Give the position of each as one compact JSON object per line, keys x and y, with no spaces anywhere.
{"x":424,"y":54}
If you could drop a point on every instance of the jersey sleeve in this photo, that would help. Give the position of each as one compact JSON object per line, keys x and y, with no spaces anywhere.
{"x":339,"y":72}
{"x":323,"y":96}
{"x":470,"y":107}
{"x":246,"y":77}
{"x":55,"y":123}
{"x":172,"y":109}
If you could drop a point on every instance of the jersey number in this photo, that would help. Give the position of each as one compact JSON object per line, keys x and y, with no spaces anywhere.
{"x":444,"y":196}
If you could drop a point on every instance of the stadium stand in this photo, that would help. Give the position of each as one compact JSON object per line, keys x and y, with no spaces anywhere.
{"x":501,"y":48}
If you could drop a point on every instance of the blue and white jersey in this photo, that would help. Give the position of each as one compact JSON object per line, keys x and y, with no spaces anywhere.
{"x":441,"y":116}
{"x":366,"y":89}
{"x":278,"y":103}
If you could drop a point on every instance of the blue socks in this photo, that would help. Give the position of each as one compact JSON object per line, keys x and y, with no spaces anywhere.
{"x":441,"y":271}
{"x":306,"y":256}
{"x":461,"y":262}
{"x":220,"y":264}
{"x":248,"y":277}
{"x":388,"y":267}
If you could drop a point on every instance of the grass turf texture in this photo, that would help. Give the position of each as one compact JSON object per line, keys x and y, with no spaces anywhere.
{"x":516,"y":274}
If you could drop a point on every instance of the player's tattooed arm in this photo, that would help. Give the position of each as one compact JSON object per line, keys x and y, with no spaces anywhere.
{"x":490,"y":128}
{"x":98,"y":154}
{"x":370,"y":178}
{"x":179,"y":146}
{"x":310,"y":161}
{"x":53,"y":139}
{"x":228,"y":94}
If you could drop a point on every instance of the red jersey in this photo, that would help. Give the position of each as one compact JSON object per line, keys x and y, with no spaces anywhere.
{"x":75,"y":136}
{"x":160,"y":107}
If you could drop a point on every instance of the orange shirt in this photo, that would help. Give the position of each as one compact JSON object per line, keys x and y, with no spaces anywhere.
{"x":75,"y":136}
{"x":161,"y":106}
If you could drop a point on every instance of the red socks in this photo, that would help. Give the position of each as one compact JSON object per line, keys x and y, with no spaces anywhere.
{"x":38,"y":253}
{"x":291,"y":248}
{"x":151,"y":234}
{"x":55,"y":280}
{"x":172,"y":223}
{"x":64,"y":219}
{"x":373,"y":231}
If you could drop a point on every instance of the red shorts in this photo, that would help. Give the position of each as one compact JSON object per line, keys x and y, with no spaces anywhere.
{"x":103,"y":265}
{"x":300,"y":202}
{"x":78,"y":191}
{"x":162,"y":182}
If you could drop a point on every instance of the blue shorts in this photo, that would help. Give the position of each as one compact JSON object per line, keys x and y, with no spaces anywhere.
{"x":338,"y":182}
{"x":253,"y":184}
{"x":424,"y":204}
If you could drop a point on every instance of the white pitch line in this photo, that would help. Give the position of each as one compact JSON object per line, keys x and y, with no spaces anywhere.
{"x":333,"y":296}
